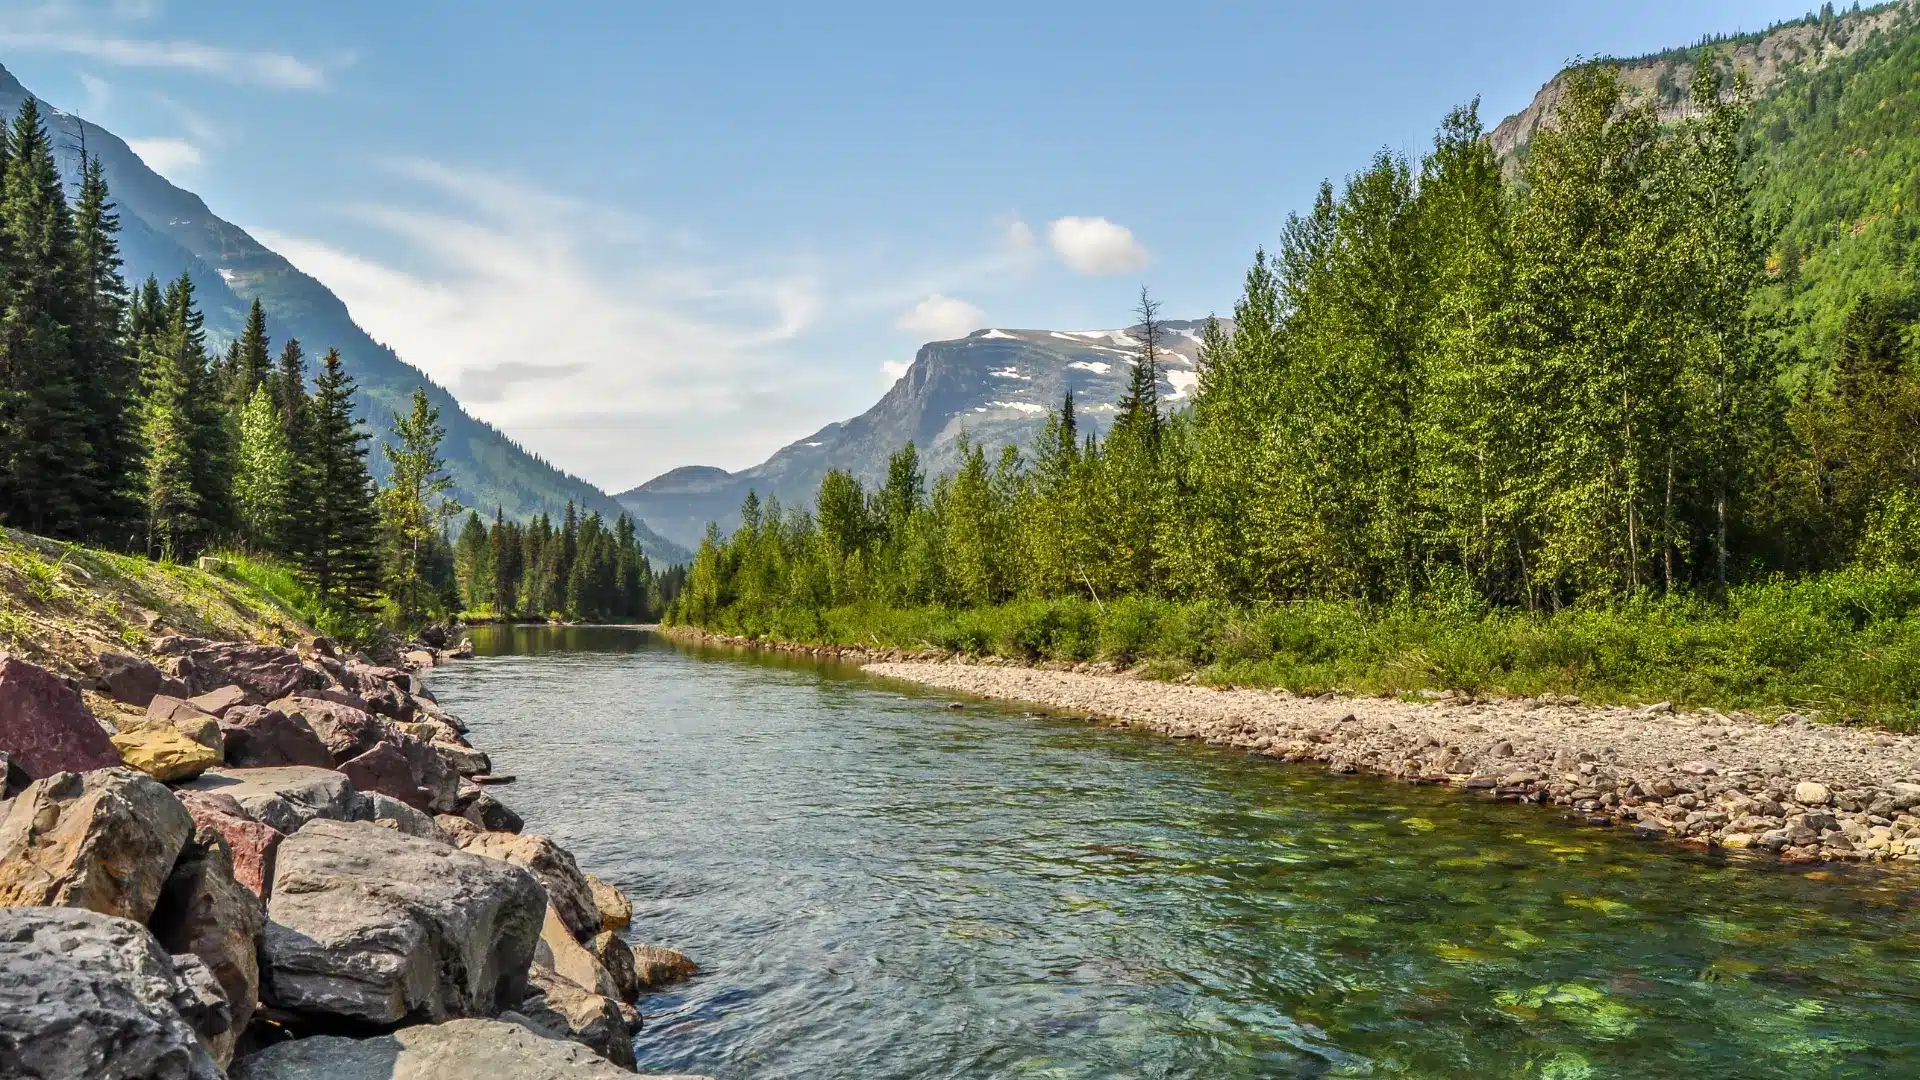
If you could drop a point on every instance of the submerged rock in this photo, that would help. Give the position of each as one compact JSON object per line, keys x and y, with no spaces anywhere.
{"x":89,"y":995}
{"x":456,"y":1050}
{"x":657,"y":966}
{"x":102,"y":840}
{"x":368,"y":925}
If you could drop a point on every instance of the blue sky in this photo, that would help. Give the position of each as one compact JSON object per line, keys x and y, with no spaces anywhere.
{"x":645,"y":235}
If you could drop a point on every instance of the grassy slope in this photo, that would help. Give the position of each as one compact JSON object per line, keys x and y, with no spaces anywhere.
{"x":1846,"y":646}
{"x":63,"y":604}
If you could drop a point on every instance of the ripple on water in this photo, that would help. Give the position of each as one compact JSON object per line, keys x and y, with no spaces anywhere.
{"x":877,"y":886}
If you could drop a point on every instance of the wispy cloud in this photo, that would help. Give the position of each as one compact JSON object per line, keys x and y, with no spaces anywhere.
{"x":171,"y":158}
{"x":266,"y":68}
{"x":593,"y":337}
{"x":941,"y":318}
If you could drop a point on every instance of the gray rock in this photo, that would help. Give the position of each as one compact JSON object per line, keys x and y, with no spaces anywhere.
{"x":492,"y":815}
{"x":206,"y":912}
{"x":368,"y":925}
{"x":456,"y":1050}
{"x":405,"y":819}
{"x":559,"y":1008}
{"x":616,"y":957}
{"x":287,"y":797}
{"x":553,"y":865}
{"x":89,"y":995}
{"x":103,"y":840}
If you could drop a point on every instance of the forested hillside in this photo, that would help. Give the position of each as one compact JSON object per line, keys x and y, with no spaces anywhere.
{"x":1473,"y":397}
{"x":167,"y":232}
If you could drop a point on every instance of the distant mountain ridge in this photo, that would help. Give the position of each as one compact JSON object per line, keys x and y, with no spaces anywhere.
{"x":995,"y":386}
{"x":165,"y":230}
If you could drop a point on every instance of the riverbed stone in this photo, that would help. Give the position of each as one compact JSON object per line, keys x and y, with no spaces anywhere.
{"x":164,"y":754}
{"x":89,"y":995}
{"x":1808,"y":793}
{"x":616,"y":911}
{"x":205,"y":911}
{"x":260,"y":736}
{"x":554,"y":866}
{"x":287,"y":797}
{"x":455,"y":1050}
{"x":366,"y":925}
{"x":102,"y":840}
{"x":45,"y":727}
{"x":251,"y":845}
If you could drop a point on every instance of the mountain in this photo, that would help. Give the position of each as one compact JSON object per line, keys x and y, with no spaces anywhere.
{"x":994,"y":386}
{"x":165,"y":230}
{"x":1835,"y":135}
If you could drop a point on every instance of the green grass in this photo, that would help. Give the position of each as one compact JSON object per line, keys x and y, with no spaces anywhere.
{"x":1845,"y":646}
{"x":282,"y":584}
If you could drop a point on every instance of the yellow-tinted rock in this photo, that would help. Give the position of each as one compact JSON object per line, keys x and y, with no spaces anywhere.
{"x":616,"y":911}
{"x":165,"y":754}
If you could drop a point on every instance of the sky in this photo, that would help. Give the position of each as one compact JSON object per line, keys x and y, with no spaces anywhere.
{"x":643,"y":235}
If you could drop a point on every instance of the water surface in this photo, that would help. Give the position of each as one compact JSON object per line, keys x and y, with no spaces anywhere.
{"x":878,"y":886}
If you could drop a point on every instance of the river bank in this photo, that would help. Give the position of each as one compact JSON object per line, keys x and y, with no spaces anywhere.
{"x":1802,"y":791}
{"x":278,"y":858}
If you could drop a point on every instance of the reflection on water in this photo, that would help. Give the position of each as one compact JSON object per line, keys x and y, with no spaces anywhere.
{"x":877,"y":886}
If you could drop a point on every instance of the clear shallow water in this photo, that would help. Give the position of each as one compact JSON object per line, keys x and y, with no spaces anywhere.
{"x":877,"y":886}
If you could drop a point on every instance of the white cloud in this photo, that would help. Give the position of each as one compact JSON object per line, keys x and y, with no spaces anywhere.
{"x":1018,"y":236}
{"x":592,"y":338}
{"x":1096,"y":246}
{"x":99,"y":93}
{"x":893,"y":369}
{"x":275,"y":70}
{"x":171,"y":158}
{"x":941,"y":318}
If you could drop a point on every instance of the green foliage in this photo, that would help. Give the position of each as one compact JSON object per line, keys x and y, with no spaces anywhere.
{"x":414,"y":509}
{"x":336,"y":541}
{"x":263,"y":481}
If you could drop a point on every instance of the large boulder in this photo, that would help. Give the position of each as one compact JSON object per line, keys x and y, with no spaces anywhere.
{"x":557,"y":1007}
{"x":391,"y":813}
{"x":258,"y":736}
{"x":287,"y":797}
{"x":491,"y":814}
{"x":385,"y":769}
{"x":205,"y":912}
{"x":655,"y":966}
{"x":89,"y":995}
{"x":388,"y":700}
{"x":456,"y":1050}
{"x":217,"y":702}
{"x":559,"y":953}
{"x":347,"y":731}
{"x":463,"y":760}
{"x":165,"y":754}
{"x":616,"y":911}
{"x":616,"y":958}
{"x":45,"y":727}
{"x":102,"y":840}
{"x":566,"y":886}
{"x":251,"y":846}
{"x":172,"y":710}
{"x":133,"y":680}
{"x":264,"y":672}
{"x":369,"y":926}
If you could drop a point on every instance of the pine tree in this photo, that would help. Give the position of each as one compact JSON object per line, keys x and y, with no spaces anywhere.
{"x":473,"y":563}
{"x":336,"y":526}
{"x":251,"y":362}
{"x":413,"y":506}
{"x":264,"y":479}
{"x":48,"y":476}
{"x":507,"y":549}
{"x":174,"y":522}
{"x":107,"y":365}
{"x":211,"y":428}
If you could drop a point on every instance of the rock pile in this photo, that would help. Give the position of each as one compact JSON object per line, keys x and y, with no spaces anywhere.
{"x":287,"y":843}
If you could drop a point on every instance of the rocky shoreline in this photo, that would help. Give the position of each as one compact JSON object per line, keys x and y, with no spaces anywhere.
{"x":249,"y":861}
{"x":1786,"y":789}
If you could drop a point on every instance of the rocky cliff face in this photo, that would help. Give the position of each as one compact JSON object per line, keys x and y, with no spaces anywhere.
{"x":993,"y":386}
{"x":1766,"y":58}
{"x":166,"y":230}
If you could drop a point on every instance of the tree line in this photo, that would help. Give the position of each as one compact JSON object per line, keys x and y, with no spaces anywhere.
{"x":580,"y":570}
{"x":1445,"y":385}
{"x":119,"y":428}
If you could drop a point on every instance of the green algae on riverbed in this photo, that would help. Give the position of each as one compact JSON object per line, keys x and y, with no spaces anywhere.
{"x":878,"y":886}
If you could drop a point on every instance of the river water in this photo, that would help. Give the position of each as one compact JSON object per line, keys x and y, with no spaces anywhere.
{"x":879,"y":886}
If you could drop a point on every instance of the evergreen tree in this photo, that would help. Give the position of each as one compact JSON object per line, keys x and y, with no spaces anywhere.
{"x":413,"y":506}
{"x":174,"y":522}
{"x":251,"y":363}
{"x":473,"y":563}
{"x":264,"y":479}
{"x":336,"y":526}
{"x":107,"y":364}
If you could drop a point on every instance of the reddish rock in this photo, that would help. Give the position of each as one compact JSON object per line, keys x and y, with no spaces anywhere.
{"x":173,"y":712}
{"x":45,"y":727}
{"x":388,"y":700}
{"x":347,"y":731}
{"x":340,"y":697}
{"x":251,"y":844}
{"x":134,"y":681}
{"x":385,"y":769}
{"x":217,"y":702}
{"x":265,"y":672}
{"x":258,"y":736}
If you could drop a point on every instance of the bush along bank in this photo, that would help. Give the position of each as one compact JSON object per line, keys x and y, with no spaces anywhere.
{"x":1786,"y":787}
{"x":246,"y":860}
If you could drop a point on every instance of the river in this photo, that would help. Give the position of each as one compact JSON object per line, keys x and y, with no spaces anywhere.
{"x":877,"y":886}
